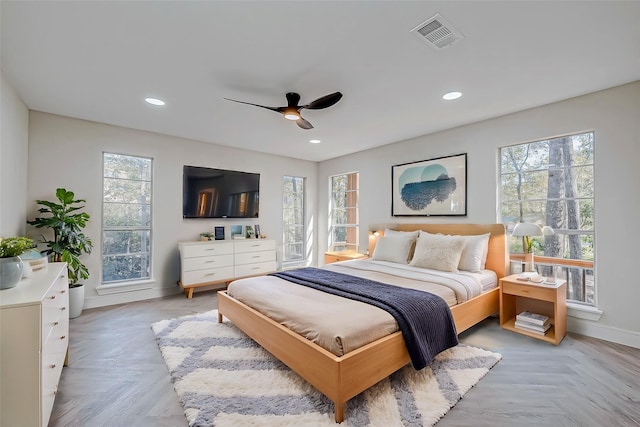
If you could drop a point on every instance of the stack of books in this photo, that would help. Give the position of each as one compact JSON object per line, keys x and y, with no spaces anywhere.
{"x":532,"y":322}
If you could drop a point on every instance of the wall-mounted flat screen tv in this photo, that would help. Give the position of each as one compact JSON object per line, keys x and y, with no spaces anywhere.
{"x":219,"y":193}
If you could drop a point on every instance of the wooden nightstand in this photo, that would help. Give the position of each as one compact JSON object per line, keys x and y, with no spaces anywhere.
{"x":330,"y":257}
{"x":550,"y":300}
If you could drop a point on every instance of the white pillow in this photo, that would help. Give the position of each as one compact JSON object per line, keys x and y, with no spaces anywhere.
{"x":474,"y":254}
{"x":438,"y":252}
{"x":393,"y":249}
{"x":395,"y":233}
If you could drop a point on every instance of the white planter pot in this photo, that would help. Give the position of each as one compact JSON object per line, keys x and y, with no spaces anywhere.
{"x":76,"y":301}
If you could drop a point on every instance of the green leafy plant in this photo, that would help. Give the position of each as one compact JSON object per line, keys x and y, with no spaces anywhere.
{"x":14,"y":246}
{"x":69,"y":242}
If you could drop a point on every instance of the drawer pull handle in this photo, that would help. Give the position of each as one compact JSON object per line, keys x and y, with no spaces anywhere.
{"x":256,"y":256}
{"x":52,"y":366}
{"x":256,"y":268}
{"x":53,"y":297}
{"x":210,"y":274}
{"x":256,"y":246}
{"x":55,"y":323}
{"x":63,"y":337}
{"x":63,"y":308}
{"x":210,"y":249}
{"x":209,"y":262}
{"x":63,"y":291}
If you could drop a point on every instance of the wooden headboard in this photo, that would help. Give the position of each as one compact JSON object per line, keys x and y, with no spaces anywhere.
{"x":497,"y":257}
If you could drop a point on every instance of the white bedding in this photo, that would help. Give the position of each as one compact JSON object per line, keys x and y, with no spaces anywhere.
{"x":339,"y":324}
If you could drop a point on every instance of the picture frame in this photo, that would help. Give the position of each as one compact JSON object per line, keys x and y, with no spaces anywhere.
{"x":249,"y":232}
{"x":434,"y":187}
{"x":218,"y":233}
{"x":257,"y":230}
{"x":236,"y":232}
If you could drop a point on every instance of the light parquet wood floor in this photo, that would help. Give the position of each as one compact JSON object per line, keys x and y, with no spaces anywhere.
{"x":117,"y":377}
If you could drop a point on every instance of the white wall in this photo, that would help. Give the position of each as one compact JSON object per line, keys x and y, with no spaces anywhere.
{"x":14,"y":139}
{"x":613,"y":114}
{"x":67,"y":152}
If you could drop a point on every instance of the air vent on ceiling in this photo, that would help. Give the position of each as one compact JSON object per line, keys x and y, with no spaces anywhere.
{"x":437,"y":32}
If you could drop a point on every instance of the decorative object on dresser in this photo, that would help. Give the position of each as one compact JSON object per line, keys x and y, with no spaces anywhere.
{"x":222,"y":377}
{"x":219,"y":262}
{"x":69,"y":242}
{"x":34,"y":331}
{"x":538,"y":310}
{"x":219,"y":233}
{"x":430,"y":187}
{"x":11,"y":265}
{"x":527,"y":231}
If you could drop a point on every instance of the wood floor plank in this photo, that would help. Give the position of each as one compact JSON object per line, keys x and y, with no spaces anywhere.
{"x":117,"y":376}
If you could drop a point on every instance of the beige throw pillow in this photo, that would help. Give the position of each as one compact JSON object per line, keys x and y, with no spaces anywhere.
{"x":438,"y":252}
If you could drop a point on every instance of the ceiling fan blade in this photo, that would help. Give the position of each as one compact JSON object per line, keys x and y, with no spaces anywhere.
{"x":324,"y":102}
{"x":277,"y":109}
{"x":302,"y":123}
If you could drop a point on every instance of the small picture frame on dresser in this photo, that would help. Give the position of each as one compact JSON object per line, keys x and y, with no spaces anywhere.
{"x":218,"y":233}
{"x":257,"y":229}
{"x":249,"y":230}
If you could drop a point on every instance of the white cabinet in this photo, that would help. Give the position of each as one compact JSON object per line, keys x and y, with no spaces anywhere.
{"x":213,"y":262}
{"x":34,"y":342}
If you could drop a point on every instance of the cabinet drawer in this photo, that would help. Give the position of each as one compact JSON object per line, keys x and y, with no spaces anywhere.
{"x":255,"y":269}
{"x":207,"y":262}
{"x":210,"y":275}
{"x":50,"y":374}
{"x":206,"y":249}
{"x":254,"y":257}
{"x":57,"y":340}
{"x":544,"y":294}
{"x":255,"y":245}
{"x":55,"y":310}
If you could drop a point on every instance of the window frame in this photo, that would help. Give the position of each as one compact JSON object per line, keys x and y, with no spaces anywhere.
{"x":106,"y":285}
{"x":293,"y":262}
{"x":351,"y":242}
{"x":572,"y":267}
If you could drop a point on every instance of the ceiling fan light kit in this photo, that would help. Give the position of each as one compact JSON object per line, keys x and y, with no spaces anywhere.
{"x":292,"y":110}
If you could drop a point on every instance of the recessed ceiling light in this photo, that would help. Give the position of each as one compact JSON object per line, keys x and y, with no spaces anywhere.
{"x":154,"y":101}
{"x":315,"y":141}
{"x":451,"y":96}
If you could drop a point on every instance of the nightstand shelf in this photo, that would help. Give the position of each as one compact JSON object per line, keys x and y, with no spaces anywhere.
{"x":517,"y":296}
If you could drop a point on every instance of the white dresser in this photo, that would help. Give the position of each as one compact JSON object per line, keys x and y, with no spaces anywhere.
{"x":34,"y":343}
{"x":213,"y":262}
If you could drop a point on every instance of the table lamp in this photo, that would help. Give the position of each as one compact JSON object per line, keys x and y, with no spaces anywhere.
{"x":528,"y":230}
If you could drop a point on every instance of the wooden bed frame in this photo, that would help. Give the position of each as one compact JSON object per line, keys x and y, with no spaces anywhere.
{"x":342,"y":377}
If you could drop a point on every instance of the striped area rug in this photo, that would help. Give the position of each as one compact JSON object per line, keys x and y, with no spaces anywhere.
{"x":223,"y":378}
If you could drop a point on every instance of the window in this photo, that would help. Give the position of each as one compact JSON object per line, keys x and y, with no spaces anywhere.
{"x":343,"y":221}
{"x":293,"y":230}
{"x":550,"y":182}
{"x":126,"y":218}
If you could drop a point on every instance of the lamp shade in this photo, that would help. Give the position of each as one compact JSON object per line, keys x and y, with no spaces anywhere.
{"x":527,"y":229}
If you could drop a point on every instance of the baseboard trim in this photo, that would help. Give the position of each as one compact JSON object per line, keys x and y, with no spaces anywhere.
{"x":133,"y":295}
{"x":608,"y":333}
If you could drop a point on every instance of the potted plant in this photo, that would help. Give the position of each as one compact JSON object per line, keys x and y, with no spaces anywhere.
{"x":11,"y":266}
{"x":69,"y":242}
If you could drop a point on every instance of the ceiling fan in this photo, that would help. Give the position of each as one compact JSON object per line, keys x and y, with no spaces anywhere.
{"x":292,"y":110}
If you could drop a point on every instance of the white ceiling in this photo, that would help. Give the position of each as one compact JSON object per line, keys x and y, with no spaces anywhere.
{"x":98,"y":60}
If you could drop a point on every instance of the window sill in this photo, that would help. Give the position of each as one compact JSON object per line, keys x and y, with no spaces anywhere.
{"x":117,"y":288}
{"x":585,"y":312}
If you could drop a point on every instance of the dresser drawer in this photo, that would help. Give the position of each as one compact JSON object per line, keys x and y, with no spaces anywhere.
{"x":209,"y":275}
{"x":207,"y":262}
{"x":537,"y":292}
{"x":50,"y":374}
{"x":255,"y":245}
{"x":206,"y":249}
{"x":255,"y":269}
{"x":55,"y":309}
{"x":254,"y":257}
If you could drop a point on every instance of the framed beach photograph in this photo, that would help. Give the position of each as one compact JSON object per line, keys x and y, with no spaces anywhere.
{"x":434,"y":187}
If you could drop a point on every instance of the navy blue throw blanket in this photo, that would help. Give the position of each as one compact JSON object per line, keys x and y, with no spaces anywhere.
{"x":425,"y":319}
